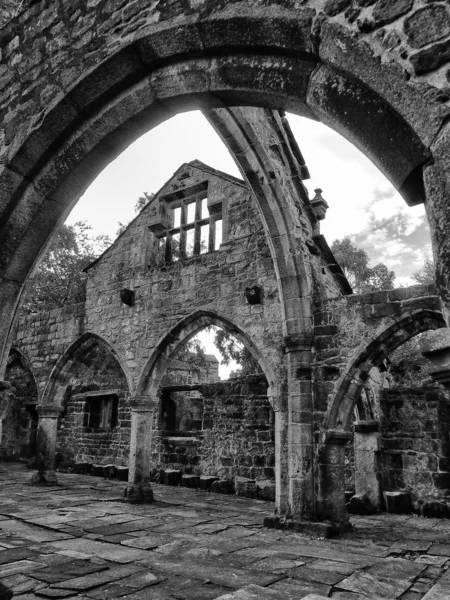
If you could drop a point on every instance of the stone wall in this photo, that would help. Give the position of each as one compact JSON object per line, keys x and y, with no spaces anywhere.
{"x":415,"y":455}
{"x":236,"y":438}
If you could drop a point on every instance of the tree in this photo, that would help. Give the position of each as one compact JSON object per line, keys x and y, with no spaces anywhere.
{"x":426,"y":273}
{"x":408,"y":367}
{"x":141,"y":202}
{"x":59,"y":278}
{"x":355,"y":265}
{"x":231,"y":349}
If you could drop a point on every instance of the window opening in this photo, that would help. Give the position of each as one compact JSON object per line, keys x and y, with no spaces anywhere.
{"x":193,"y":231}
{"x":204,"y":239}
{"x":175,"y":245}
{"x":218,"y":234}
{"x":204,"y":209}
{"x":101,"y":412}
{"x":177,"y":216}
{"x":190,"y":213}
{"x":190,"y":242}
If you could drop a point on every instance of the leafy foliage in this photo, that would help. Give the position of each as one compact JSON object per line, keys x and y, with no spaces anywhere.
{"x":426,"y":274}
{"x":355,"y":264}
{"x":231,"y":349}
{"x":141,"y":202}
{"x":408,"y":367}
{"x":59,"y":278}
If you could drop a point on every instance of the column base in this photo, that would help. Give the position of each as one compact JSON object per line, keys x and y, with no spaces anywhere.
{"x":139,"y":493}
{"x":44,"y":478}
{"x":323,"y":529}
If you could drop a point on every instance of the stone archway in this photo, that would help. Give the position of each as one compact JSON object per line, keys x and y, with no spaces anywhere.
{"x":168,"y":346}
{"x":349,"y":385}
{"x":131,"y":70}
{"x":148,"y":386}
{"x":346,"y":395}
{"x":59,"y":377}
{"x":294,"y":59}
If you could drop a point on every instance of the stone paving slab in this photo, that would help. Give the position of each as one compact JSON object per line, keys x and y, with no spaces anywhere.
{"x":80,"y":541}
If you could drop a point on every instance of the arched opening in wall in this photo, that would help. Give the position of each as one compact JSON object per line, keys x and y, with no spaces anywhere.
{"x":18,"y":411}
{"x":399,"y":457}
{"x":216,"y":425}
{"x":91,"y":387}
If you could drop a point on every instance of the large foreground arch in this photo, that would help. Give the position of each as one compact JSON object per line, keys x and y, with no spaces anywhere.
{"x":69,"y":107}
{"x":275,"y":56}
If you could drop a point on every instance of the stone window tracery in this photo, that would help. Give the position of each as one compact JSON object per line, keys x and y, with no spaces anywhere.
{"x":191,"y":228}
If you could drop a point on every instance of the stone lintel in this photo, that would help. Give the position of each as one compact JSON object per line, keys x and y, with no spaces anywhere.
{"x":367,"y":426}
{"x":48,"y":411}
{"x":335,"y":437}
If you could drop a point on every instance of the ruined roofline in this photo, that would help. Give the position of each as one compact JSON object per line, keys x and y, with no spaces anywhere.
{"x":197,"y":164}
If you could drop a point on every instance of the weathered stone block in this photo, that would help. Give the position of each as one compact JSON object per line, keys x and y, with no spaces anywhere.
{"x":334,"y":7}
{"x":191,"y":481}
{"x":427,"y":25}
{"x":266,"y":490}
{"x":398,"y":502}
{"x":97,"y":470}
{"x":122,"y":473}
{"x":222,"y":486}
{"x":431,"y":57}
{"x":172,"y":477}
{"x":436,"y":510}
{"x":206,"y":481}
{"x":360,"y":504}
{"x":82,"y":468}
{"x":246,"y":487}
{"x":109,"y":471}
{"x":386,"y":11}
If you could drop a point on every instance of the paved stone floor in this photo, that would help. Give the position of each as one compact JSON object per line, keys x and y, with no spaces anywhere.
{"x":79,"y":540}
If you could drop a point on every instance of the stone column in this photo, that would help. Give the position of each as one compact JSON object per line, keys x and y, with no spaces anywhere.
{"x":46,"y":444}
{"x":367,"y":468}
{"x":139,"y":489}
{"x":332,"y":478}
{"x":300,"y":428}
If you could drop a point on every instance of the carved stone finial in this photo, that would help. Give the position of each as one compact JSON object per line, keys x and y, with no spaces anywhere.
{"x":319,"y":205}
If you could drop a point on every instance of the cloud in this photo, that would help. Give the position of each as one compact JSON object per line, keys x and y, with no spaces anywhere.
{"x":394,"y":234}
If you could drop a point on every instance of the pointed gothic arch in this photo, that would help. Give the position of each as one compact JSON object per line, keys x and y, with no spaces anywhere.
{"x":349,"y":385}
{"x":59,"y":377}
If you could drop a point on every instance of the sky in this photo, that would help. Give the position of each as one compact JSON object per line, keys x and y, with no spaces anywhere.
{"x":363,"y":205}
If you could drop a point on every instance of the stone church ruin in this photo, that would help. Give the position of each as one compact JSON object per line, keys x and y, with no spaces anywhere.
{"x":78,"y":83}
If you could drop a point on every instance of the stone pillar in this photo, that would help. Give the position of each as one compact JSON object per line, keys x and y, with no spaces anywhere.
{"x":46,"y":444}
{"x":300,"y":429}
{"x":435,"y":345}
{"x":332,"y":478}
{"x":367,"y":468}
{"x":139,"y":489}
{"x":281,"y":463}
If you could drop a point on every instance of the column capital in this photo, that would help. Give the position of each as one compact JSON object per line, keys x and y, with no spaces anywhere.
{"x":335,"y":437}
{"x":48,"y":411}
{"x":144,"y":404}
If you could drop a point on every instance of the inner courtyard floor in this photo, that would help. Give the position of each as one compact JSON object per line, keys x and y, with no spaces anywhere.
{"x":80,"y":540}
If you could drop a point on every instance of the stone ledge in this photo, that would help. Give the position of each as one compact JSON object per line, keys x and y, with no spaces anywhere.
{"x":322,"y":529}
